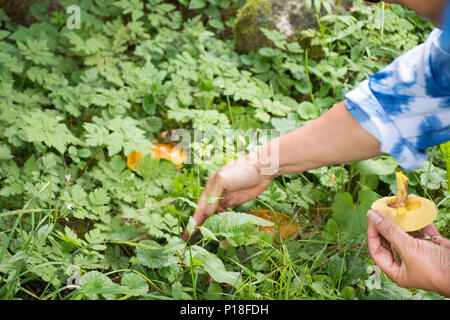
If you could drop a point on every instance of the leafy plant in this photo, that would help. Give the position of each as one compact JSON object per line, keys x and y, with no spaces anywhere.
{"x":77,"y":223}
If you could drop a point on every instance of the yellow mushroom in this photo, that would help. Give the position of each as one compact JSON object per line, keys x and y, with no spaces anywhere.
{"x":416,"y":214}
{"x":410,"y":212}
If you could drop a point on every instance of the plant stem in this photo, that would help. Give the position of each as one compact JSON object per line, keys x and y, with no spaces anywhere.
{"x":309,"y":84}
{"x":231,"y":113}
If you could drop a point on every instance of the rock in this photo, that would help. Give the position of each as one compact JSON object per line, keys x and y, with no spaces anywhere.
{"x":19,"y":11}
{"x":286,"y":16}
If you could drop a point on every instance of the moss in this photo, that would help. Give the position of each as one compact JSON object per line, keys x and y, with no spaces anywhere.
{"x":257,"y":14}
{"x":246,"y":30}
{"x":19,"y":12}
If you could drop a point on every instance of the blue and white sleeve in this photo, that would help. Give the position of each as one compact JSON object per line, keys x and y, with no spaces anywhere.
{"x":406,"y":106}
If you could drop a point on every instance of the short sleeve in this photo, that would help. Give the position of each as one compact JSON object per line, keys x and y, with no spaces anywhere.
{"x":406,"y":106}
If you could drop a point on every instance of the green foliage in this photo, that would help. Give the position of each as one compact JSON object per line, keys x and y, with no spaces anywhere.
{"x":235,"y":227}
{"x":445,"y":149}
{"x":77,"y":223}
{"x":348,"y":220}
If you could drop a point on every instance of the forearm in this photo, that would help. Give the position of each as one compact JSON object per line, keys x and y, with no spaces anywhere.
{"x":333,"y":138}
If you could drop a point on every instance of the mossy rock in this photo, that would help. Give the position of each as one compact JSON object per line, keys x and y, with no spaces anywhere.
{"x":19,"y":10}
{"x":286,"y":16}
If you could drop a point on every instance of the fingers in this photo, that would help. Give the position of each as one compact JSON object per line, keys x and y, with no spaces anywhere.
{"x":441,"y":241}
{"x":236,"y":198}
{"x":431,"y":230}
{"x":237,"y":182}
{"x":378,"y":223}
{"x":388,"y":228}
{"x":238,"y":176}
{"x":207,"y":204}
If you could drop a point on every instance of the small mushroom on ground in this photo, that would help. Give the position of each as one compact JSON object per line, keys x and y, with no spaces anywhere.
{"x":410,"y":212}
{"x":161,"y":151}
{"x":283,"y":227}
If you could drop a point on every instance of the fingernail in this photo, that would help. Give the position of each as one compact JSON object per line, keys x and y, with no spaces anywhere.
{"x":374,"y":217}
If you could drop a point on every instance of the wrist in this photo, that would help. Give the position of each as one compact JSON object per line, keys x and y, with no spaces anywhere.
{"x":266,"y":161}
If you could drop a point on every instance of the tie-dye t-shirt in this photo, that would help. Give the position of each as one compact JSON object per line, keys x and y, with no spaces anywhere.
{"x":406,"y":106}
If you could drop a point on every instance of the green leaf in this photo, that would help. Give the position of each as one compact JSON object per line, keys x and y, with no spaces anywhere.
{"x":135,"y":7}
{"x":217,"y":24}
{"x":191,"y":225}
{"x":445,"y":149}
{"x":44,"y":127}
{"x":365,"y":199}
{"x":336,"y":268}
{"x":71,"y":236}
{"x":269,"y":52}
{"x":39,"y":11}
{"x":45,"y":271}
{"x":197,"y":4}
{"x":352,"y":220}
{"x":434,"y":179}
{"x":13,"y":63}
{"x":283,"y":125}
{"x":96,"y":135}
{"x":223,"y":223}
{"x":117,"y":134}
{"x":370,"y":181}
{"x":155,"y":258}
{"x":96,"y":239}
{"x":379,"y":166}
{"x":136,"y":283}
{"x":342,"y":206}
{"x":94,"y":283}
{"x":306,"y":110}
{"x":207,"y":234}
{"x":331,"y":231}
{"x":276,"y":37}
{"x":348,"y":293}
{"x":37,"y":74}
{"x":3,"y":16}
{"x":189,"y":202}
{"x":214,"y":292}
{"x":215,"y":267}
{"x":5,"y":152}
{"x":149,"y":106}
{"x":356,"y":271}
{"x":37,"y":51}
{"x":177,"y":289}
{"x":99,"y":197}
{"x":237,"y":227}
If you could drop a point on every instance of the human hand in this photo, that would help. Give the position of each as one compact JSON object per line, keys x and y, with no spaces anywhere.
{"x":425,"y":264}
{"x":235,"y":183}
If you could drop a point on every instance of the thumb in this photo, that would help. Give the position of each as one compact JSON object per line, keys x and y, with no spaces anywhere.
{"x":388,"y":228}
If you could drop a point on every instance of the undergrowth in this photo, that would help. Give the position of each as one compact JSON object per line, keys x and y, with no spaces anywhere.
{"x":77,"y":223}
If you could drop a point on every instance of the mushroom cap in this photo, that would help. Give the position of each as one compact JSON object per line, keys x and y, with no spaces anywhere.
{"x":161,"y":151}
{"x":412,"y":220}
{"x":166,"y":151}
{"x":284,"y":225}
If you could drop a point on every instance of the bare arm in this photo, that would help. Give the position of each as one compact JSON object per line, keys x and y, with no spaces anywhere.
{"x":335,"y":137}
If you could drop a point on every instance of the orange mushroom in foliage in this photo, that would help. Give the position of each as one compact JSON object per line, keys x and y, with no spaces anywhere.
{"x":283,"y":227}
{"x":160,"y":151}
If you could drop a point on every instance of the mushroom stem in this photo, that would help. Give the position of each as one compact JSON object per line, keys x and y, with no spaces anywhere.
{"x":401,"y":190}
